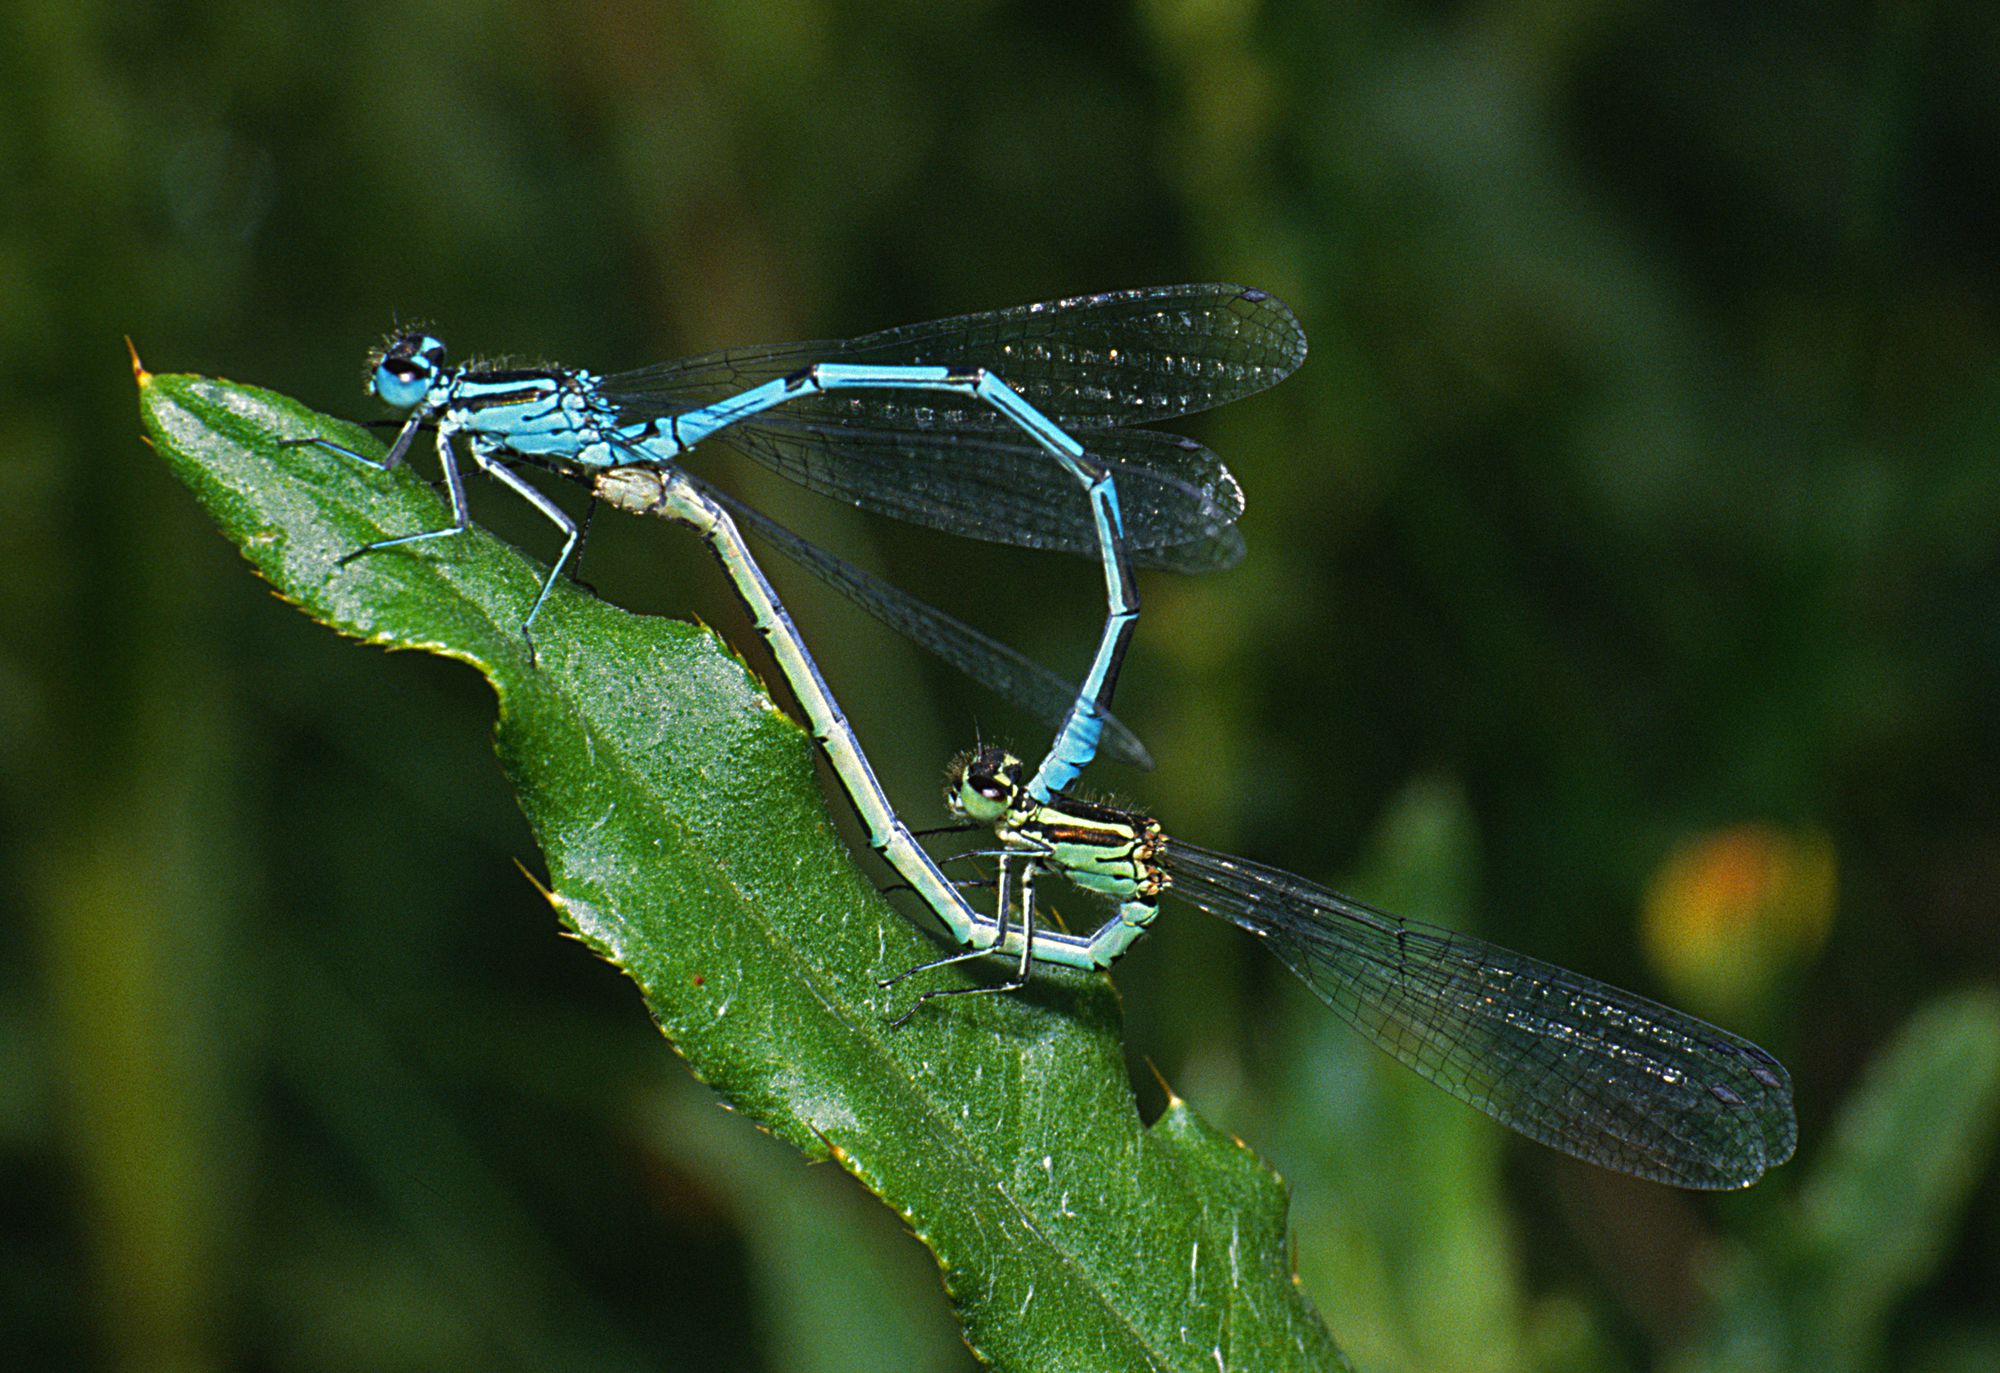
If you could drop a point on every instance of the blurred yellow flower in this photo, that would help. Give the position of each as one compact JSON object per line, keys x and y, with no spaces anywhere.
{"x":1731,"y":910}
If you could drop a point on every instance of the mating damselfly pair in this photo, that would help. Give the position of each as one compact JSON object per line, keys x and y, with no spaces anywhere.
{"x":1025,"y":427}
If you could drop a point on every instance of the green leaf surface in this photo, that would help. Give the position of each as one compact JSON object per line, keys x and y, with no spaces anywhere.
{"x":688,"y":843}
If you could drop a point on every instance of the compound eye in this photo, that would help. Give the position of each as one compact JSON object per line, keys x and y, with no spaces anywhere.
{"x":995,"y":775}
{"x":407,"y":370}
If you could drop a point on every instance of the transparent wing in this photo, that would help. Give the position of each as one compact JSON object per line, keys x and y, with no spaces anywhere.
{"x":1179,"y":503}
{"x":1609,"y":1077}
{"x":1090,"y":363}
{"x":984,"y":659}
{"x":1119,"y":357}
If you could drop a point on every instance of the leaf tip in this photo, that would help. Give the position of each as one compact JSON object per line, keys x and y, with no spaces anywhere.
{"x":139,"y":372}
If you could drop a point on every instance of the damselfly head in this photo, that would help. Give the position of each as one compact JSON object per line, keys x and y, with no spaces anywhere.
{"x":406,"y":368}
{"x":982,"y":786}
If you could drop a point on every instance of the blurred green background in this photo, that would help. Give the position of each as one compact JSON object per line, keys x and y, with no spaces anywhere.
{"x":1624,"y":585}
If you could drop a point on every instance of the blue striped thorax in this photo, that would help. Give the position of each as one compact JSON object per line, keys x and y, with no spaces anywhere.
{"x":549,"y":415}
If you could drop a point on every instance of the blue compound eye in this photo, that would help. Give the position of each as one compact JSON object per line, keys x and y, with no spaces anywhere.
{"x":407,"y":369}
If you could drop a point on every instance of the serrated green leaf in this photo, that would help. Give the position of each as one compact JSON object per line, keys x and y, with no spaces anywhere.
{"x":687,"y":843}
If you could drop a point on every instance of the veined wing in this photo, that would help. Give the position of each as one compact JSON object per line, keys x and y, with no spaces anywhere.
{"x":984,"y":659}
{"x":1089,"y":363}
{"x":1179,"y":503}
{"x":1115,"y":358}
{"x":1599,"y":1073}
